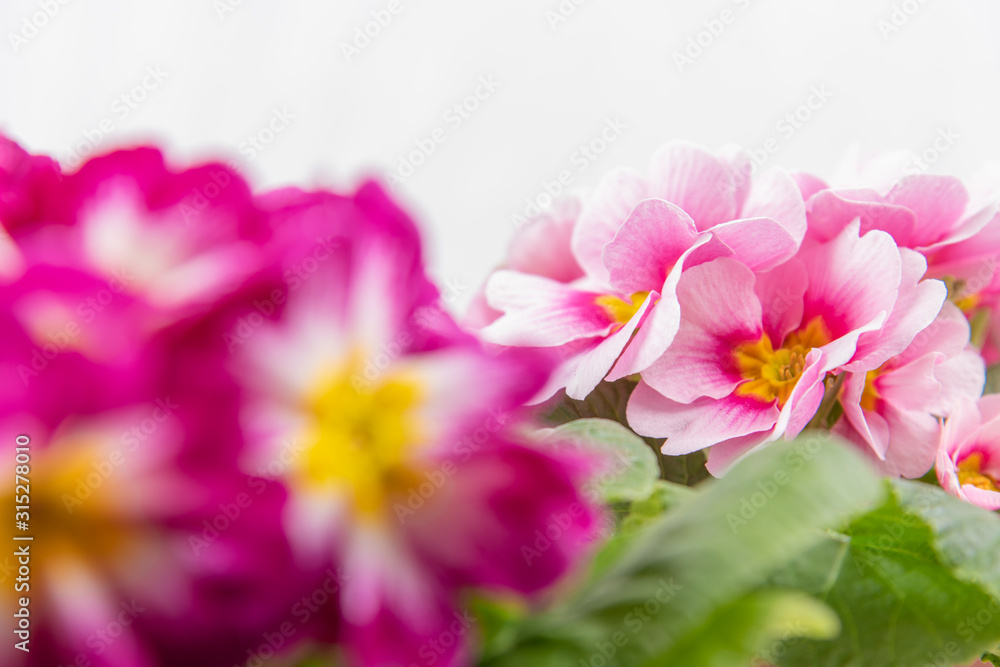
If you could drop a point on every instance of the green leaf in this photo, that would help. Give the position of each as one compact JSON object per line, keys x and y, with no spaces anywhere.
{"x":609,"y":401}
{"x":631,"y":467}
{"x":702,"y":563}
{"x":914,"y":582}
{"x":736,"y":633}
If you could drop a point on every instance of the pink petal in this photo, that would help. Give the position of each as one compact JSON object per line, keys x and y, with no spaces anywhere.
{"x":874,"y":433}
{"x":540,"y":312}
{"x":657,"y":332}
{"x":719,"y":310}
{"x":937,"y":202}
{"x":780,"y":292}
{"x":760,"y":243}
{"x":722,"y":456}
{"x":776,"y":196}
{"x":697,"y":425}
{"x":609,"y":206}
{"x":707,"y":188}
{"x":830,"y":211}
{"x":916,"y":307}
{"x":647,"y":246}
{"x":961,"y":377}
{"x":852,"y":280}
{"x":808,"y":184}
{"x":542,"y":246}
{"x":911,"y":387}
{"x":593,"y":365}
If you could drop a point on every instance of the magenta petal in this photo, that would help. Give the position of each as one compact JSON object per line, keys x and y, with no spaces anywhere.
{"x":647,"y":245}
{"x":511,"y":518}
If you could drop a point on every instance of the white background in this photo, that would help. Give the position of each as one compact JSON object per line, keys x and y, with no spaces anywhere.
{"x":559,"y":81}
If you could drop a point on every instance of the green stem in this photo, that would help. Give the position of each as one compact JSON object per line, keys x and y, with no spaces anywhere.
{"x":830,"y":398}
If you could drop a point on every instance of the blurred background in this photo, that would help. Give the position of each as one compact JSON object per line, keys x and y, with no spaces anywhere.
{"x":478,"y":112}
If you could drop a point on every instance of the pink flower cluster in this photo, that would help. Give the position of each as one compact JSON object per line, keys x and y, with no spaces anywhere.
{"x":747,"y":306}
{"x":252,"y":424}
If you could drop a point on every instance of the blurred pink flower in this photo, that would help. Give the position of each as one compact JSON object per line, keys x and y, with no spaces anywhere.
{"x":405,"y":469}
{"x":968,"y":459}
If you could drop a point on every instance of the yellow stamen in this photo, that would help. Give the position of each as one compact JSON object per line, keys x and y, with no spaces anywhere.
{"x":772,"y":374}
{"x":362,"y":437}
{"x":870,"y":395}
{"x":968,"y":303}
{"x":619,"y":310}
{"x":970,"y":472}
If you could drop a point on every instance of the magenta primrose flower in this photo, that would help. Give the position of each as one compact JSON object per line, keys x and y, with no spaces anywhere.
{"x":163,"y":329}
{"x":408,"y":473}
{"x":133,"y":431}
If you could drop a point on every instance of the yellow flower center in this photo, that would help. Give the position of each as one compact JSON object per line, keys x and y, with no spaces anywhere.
{"x":970,"y":472}
{"x":361,"y":439}
{"x":870,"y":395}
{"x":968,"y":303}
{"x":771,"y":374}
{"x":74,"y":511}
{"x":619,"y":310}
